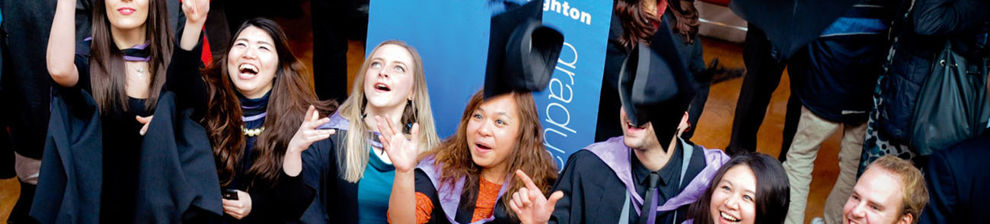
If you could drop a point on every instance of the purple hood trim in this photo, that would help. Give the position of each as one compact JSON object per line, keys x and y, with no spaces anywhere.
{"x":337,"y":122}
{"x":451,"y":197}
{"x":615,"y":154}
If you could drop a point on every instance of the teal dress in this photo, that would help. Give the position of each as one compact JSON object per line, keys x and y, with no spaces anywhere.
{"x":374,"y":190}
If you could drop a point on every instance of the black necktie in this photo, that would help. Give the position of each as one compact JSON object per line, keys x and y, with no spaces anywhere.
{"x":649,"y":206}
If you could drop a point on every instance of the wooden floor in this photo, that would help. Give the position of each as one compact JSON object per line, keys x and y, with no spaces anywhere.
{"x":713,"y":129}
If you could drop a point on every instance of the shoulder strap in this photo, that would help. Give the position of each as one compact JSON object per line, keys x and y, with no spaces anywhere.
{"x":624,"y":216}
{"x":688,"y":150}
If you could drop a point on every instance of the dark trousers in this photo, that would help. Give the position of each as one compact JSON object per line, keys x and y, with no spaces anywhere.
{"x":20,"y":214}
{"x":6,"y":155}
{"x":763,"y":74}
{"x":330,"y":35}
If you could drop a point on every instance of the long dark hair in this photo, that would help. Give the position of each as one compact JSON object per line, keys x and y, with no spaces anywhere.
{"x":530,"y":155}
{"x":292,"y":93}
{"x":637,"y":25}
{"x":772,"y":189}
{"x":107,"y":65}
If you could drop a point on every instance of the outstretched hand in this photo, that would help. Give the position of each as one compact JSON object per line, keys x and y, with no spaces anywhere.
{"x":308,"y":132}
{"x":529,"y":204}
{"x":401,"y":150}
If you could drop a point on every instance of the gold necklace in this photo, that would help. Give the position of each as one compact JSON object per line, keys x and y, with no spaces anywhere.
{"x":251,"y":132}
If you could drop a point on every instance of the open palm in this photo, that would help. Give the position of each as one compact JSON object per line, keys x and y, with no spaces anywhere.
{"x":401,"y":150}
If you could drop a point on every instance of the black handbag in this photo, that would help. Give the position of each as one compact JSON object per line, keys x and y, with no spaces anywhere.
{"x":952,"y":104}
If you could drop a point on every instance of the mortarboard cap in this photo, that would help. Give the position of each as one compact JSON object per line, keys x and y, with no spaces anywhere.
{"x":655,"y":87}
{"x":522,"y":53}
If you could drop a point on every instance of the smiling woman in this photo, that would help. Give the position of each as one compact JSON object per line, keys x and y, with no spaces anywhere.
{"x":258,"y":96}
{"x":252,"y":62}
{"x":750,"y":188}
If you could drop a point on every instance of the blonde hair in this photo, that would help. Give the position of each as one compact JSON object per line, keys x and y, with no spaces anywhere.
{"x":355,"y":154}
{"x":915,"y":193}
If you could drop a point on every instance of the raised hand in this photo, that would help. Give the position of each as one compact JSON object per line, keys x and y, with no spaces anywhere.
{"x":401,"y":150}
{"x":195,"y":11}
{"x":307,"y":133}
{"x":529,"y":204}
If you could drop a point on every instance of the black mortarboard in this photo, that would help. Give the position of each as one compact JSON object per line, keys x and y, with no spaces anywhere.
{"x":522,"y":53}
{"x":655,"y":87}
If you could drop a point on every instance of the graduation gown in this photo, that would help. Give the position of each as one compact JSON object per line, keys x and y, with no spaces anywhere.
{"x":598,"y":184}
{"x":451,"y":208}
{"x":174,"y":172}
{"x":177,"y":176}
{"x":336,"y":198}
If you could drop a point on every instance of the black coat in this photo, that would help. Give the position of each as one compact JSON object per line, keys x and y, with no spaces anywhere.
{"x":26,"y":85}
{"x":834,"y":76}
{"x":919,"y":39}
{"x":957,"y":182}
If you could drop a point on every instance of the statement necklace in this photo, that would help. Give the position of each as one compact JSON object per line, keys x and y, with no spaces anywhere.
{"x":251,"y":132}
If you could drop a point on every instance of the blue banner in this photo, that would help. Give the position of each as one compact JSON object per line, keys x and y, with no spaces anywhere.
{"x":452,"y":38}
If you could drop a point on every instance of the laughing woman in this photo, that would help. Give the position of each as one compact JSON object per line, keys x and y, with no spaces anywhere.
{"x":258,"y":96}
{"x":750,"y":188}
{"x":350,"y":170}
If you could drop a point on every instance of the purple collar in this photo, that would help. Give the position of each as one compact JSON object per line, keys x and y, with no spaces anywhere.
{"x":337,"y":122}
{"x":449,"y":196}
{"x":340,"y":123}
{"x":136,"y":53}
{"x":616,"y":155}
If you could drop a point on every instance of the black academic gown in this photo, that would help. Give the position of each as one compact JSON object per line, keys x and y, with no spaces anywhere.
{"x":465,"y":209}
{"x":336,"y":198}
{"x":175,"y":175}
{"x":427,"y":179}
{"x":594,"y":194}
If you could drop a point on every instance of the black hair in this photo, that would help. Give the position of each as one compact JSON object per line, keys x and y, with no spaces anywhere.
{"x":772,"y":189}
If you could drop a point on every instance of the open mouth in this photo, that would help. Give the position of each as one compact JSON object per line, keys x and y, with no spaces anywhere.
{"x":248,"y":69}
{"x":483,"y":147}
{"x":631,"y":126}
{"x":382,"y":87}
{"x":729,"y":218}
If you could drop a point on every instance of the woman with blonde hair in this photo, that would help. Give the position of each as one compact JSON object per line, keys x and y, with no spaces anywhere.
{"x":352,"y":174}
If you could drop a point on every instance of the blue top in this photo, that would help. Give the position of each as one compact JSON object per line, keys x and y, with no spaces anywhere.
{"x":254,"y":113}
{"x":374,"y":190}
